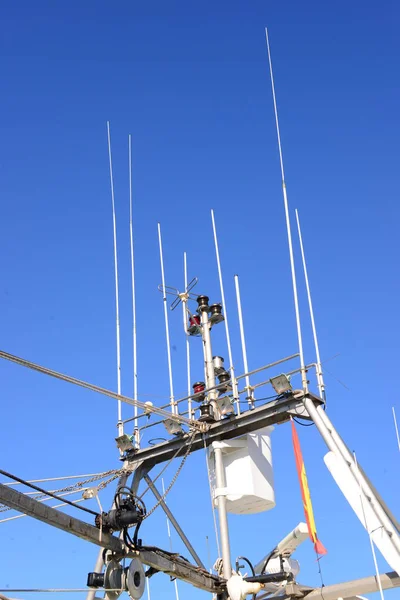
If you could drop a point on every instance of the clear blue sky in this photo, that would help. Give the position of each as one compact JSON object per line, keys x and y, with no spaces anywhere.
{"x":190,"y":82}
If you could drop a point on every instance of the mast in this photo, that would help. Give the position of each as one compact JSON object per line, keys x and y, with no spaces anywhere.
{"x":120,"y":423}
{"x":135,"y":382}
{"x":289,"y":233}
{"x":219,"y":467}
{"x":320,"y":377}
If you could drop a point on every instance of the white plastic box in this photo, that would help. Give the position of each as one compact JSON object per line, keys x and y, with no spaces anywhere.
{"x":248,"y":473}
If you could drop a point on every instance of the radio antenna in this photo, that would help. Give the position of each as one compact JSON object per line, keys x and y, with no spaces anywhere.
{"x":289,"y":233}
{"x":320,"y":377}
{"x":120,"y":423}
{"x":135,"y":379}
{"x":171,"y":385}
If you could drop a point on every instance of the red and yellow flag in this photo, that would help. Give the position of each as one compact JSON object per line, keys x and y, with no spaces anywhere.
{"x":305,"y":494}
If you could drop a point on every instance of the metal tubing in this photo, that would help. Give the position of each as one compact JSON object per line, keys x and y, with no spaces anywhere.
{"x":273,"y":364}
{"x":223,"y":517}
{"x":174,"y":522}
{"x":336,"y":444}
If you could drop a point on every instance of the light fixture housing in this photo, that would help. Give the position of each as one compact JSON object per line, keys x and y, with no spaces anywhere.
{"x":125,"y":442}
{"x":224,"y":406}
{"x":173,"y":427}
{"x":216,"y":315}
{"x":281,"y":383}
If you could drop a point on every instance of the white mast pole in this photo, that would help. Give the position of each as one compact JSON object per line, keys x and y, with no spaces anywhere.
{"x":243,"y":341}
{"x":135,"y":382}
{"x":171,"y":386}
{"x":170,"y":542}
{"x":396,"y":428}
{"x":320,"y":377}
{"x":228,"y":338}
{"x":120,"y":423}
{"x":189,"y":389}
{"x":289,"y":234}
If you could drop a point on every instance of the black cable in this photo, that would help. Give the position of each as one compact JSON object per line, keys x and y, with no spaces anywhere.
{"x":270,"y":555}
{"x":250,"y":565}
{"x":247,"y":561}
{"x":261,"y":399}
{"x":38,"y":489}
{"x":303,"y":424}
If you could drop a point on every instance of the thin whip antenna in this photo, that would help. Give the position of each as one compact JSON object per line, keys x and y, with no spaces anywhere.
{"x":396,"y":428}
{"x":320,"y":377}
{"x":135,"y":382}
{"x":228,"y":338}
{"x":378,"y":579}
{"x":120,"y":423}
{"x":170,"y":542}
{"x":189,"y":390}
{"x":289,"y":233}
{"x":171,"y":386}
{"x":243,"y":341}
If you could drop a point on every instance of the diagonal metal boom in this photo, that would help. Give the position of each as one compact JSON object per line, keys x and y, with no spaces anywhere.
{"x":159,"y":560}
{"x":349,"y":589}
{"x":174,"y":522}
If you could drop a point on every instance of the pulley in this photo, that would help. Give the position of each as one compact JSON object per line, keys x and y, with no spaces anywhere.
{"x":135,"y":579}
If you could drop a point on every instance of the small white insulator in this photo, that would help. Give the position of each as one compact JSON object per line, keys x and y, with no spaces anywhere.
{"x":238,"y":589}
{"x":89,"y":494}
{"x":149,"y":404}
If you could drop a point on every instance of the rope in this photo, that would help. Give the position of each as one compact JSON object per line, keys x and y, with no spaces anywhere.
{"x":55,"y":506}
{"x":76,"y":486}
{"x":35,"y":487}
{"x":38,"y":497}
{"x":95,"y":388}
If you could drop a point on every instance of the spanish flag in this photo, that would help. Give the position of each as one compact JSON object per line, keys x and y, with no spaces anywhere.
{"x":305,"y":494}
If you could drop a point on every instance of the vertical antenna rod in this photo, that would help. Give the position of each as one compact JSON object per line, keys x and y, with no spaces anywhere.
{"x":320,"y":377}
{"x":171,"y":386}
{"x":289,"y":234}
{"x":243,"y":341}
{"x":228,"y":338}
{"x":189,"y":390}
{"x":120,"y":424}
{"x":367,"y":527}
{"x":396,"y":428}
{"x":170,"y":543}
{"x":135,"y":382}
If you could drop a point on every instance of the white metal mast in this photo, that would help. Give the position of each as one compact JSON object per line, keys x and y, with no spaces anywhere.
{"x":120,"y":423}
{"x":243,"y":341}
{"x":135,"y":382}
{"x":171,"y":385}
{"x":189,"y":390}
{"x":289,"y":233}
{"x":228,"y":338}
{"x":320,"y":377}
